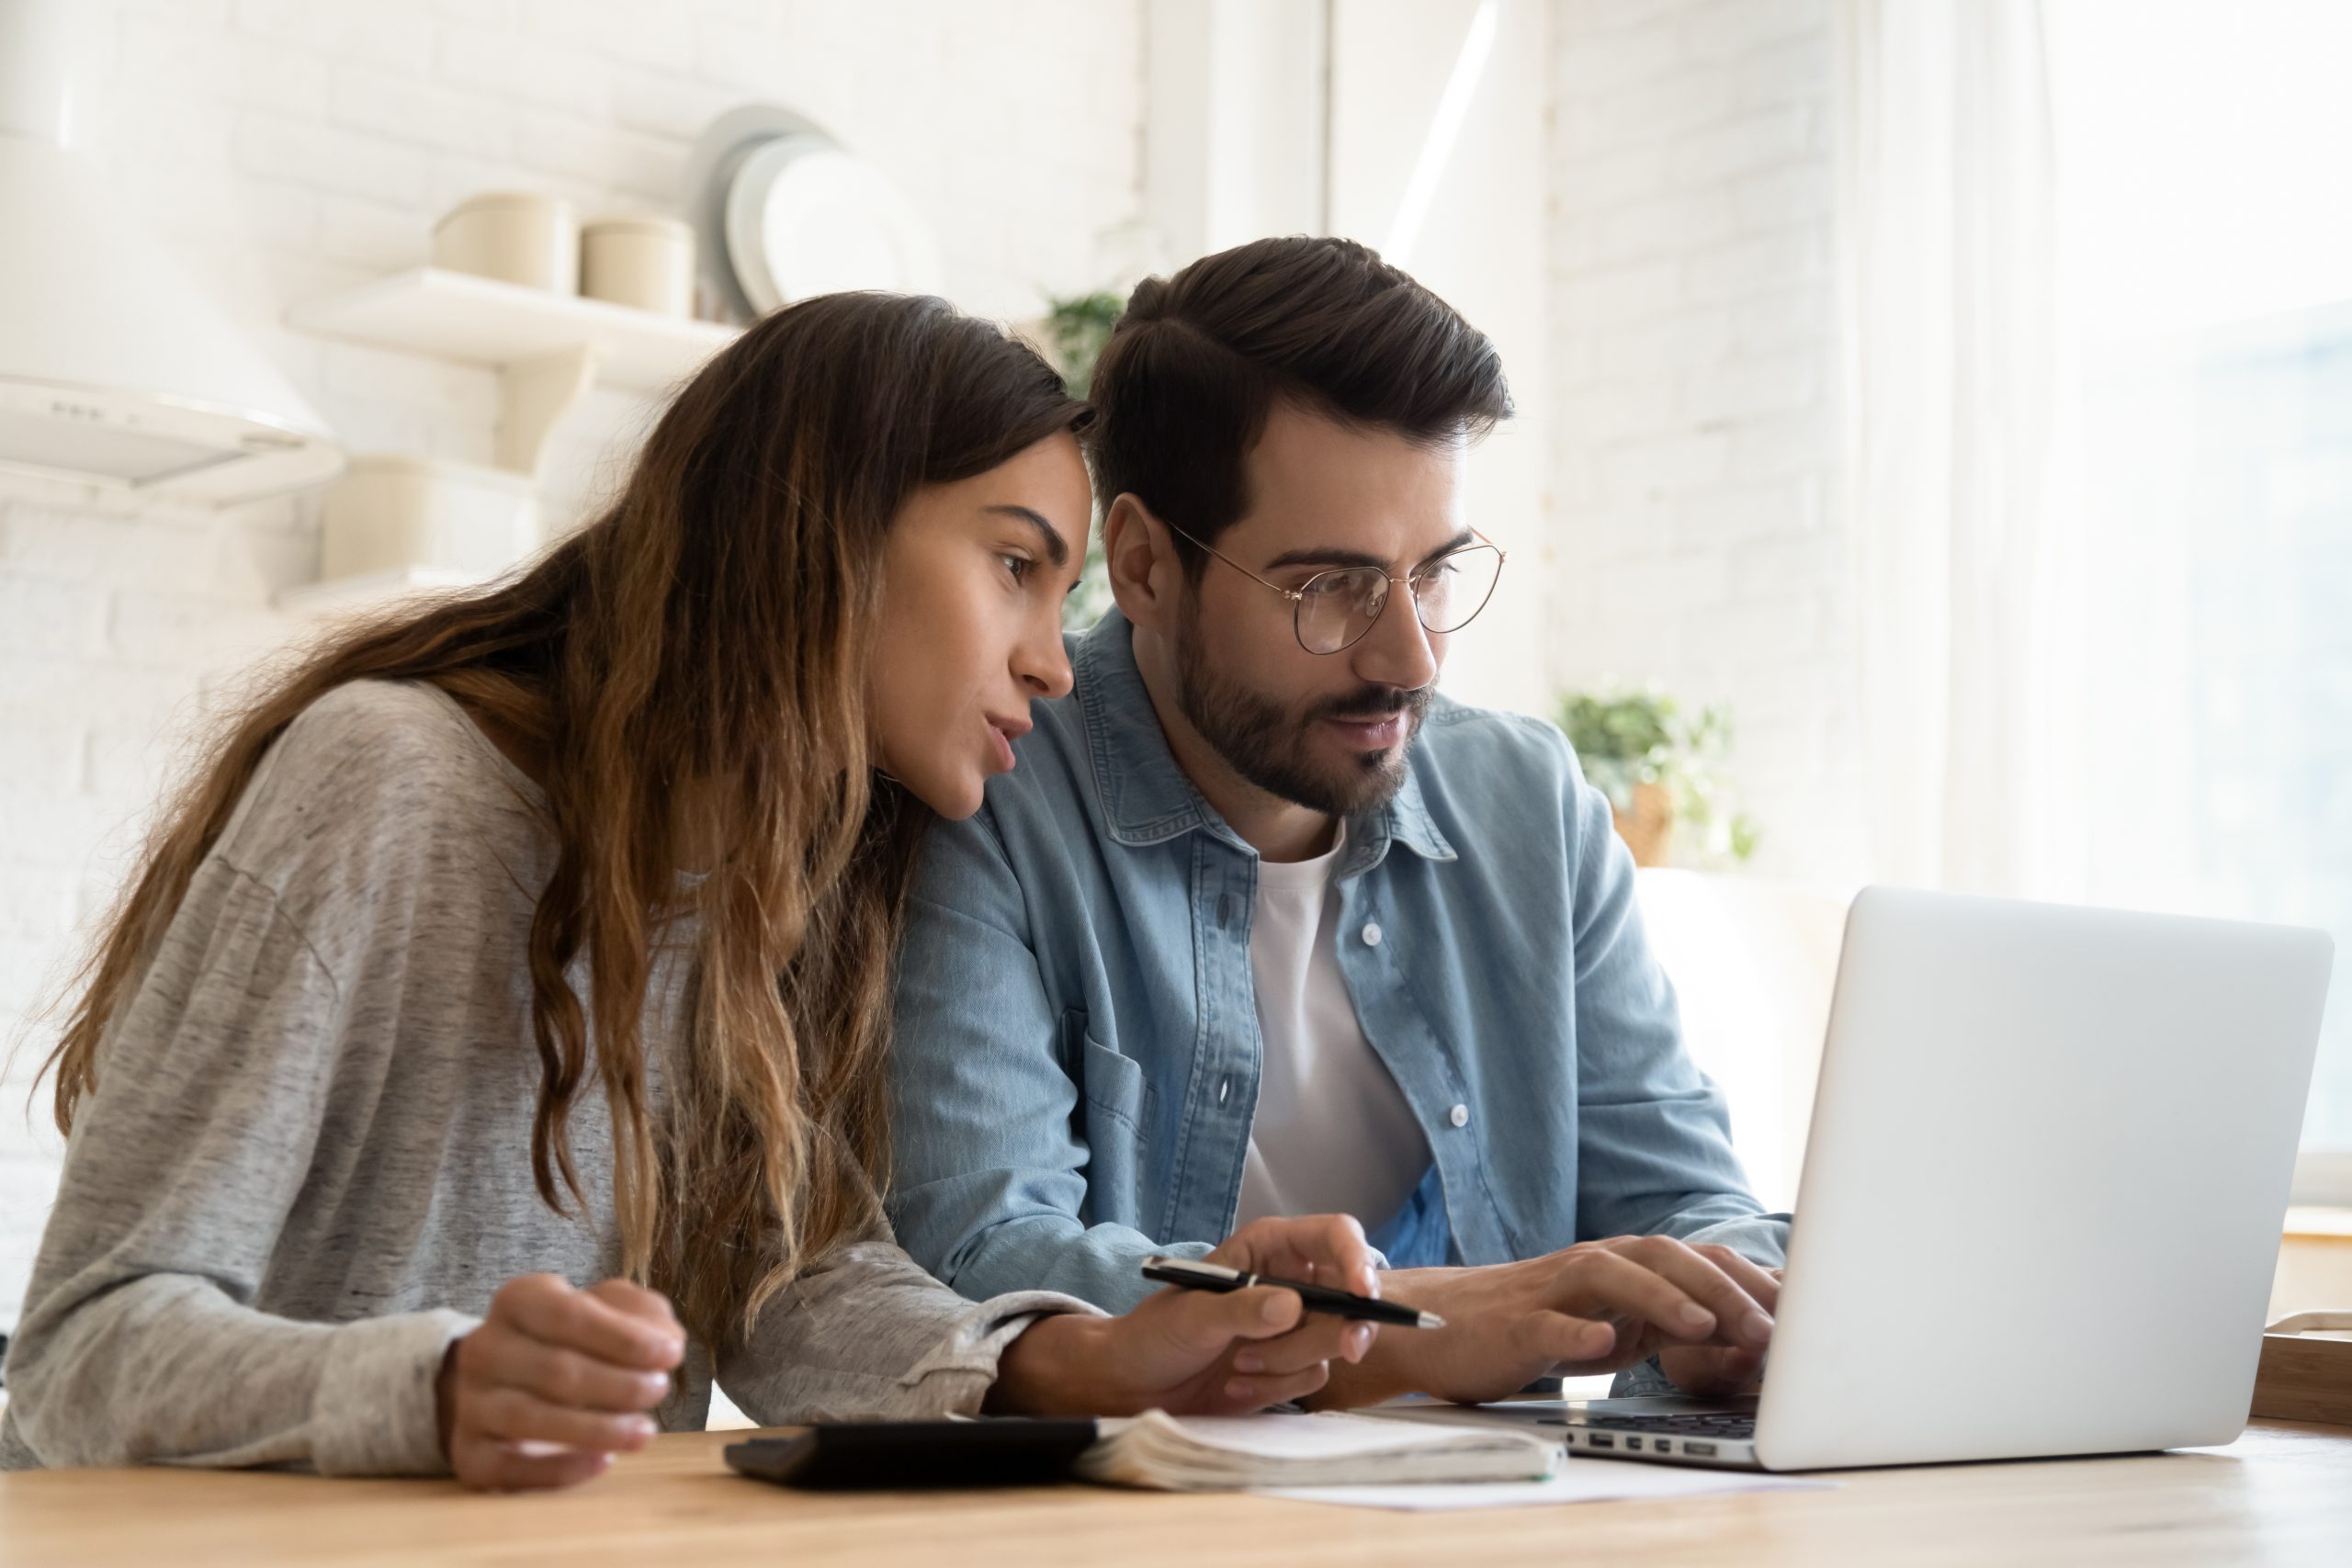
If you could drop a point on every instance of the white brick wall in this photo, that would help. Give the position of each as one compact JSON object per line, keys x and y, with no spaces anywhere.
{"x":282,"y":148}
{"x":1693,"y":367}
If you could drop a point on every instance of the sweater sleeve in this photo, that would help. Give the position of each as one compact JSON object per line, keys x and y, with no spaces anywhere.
{"x":865,"y":1335}
{"x":138,"y":1341}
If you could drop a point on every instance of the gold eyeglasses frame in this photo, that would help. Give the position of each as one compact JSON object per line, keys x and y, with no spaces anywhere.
{"x":1297,"y":596}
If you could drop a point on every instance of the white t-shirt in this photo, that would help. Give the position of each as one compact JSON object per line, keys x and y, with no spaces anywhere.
{"x":1332,"y":1133}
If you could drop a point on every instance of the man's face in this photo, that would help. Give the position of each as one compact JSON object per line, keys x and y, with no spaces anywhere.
{"x":1325,"y":731}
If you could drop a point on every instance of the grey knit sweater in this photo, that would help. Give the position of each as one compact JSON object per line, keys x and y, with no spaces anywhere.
{"x":307,"y":1163}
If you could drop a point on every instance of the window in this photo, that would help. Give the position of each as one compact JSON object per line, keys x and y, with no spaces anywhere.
{"x":2201,"y":152}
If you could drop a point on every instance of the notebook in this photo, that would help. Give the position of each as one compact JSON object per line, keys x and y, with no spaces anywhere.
{"x":1218,"y":1453}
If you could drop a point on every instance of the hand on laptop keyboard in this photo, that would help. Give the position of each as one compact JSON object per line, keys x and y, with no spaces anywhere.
{"x":1717,"y":1372}
{"x":1595,"y":1307}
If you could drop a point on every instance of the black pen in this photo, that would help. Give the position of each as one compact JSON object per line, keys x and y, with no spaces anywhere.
{"x":1192,"y":1276}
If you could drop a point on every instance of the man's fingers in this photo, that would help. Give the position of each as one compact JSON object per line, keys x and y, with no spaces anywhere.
{"x":578,"y":1321}
{"x":1203,"y":1325}
{"x":490,"y":1465}
{"x":1555,"y":1337}
{"x":567,"y":1377}
{"x":1762,"y":1285}
{"x":1737,"y":1318}
{"x":1326,"y":1249}
{"x":1315,"y":1341}
{"x":512,"y":1416}
{"x":1609,"y":1279}
{"x":1242,"y":1395}
{"x":1712,"y":1370}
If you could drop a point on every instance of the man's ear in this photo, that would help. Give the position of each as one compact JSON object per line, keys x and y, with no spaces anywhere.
{"x":1146,"y":575}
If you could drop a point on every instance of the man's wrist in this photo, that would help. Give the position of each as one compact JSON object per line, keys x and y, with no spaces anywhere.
{"x":1052,"y":1368}
{"x":1395,"y":1364}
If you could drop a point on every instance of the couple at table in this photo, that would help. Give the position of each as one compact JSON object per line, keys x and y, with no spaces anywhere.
{"x":752,"y":945}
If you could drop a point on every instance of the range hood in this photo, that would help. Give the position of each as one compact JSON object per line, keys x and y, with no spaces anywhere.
{"x":115,"y":368}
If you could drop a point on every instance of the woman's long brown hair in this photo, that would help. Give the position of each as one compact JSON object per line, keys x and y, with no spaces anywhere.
{"x":705,"y":640}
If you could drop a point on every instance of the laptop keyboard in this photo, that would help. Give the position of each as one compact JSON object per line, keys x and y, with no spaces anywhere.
{"x":1718,"y":1425}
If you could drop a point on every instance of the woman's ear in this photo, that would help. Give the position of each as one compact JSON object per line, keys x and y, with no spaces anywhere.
{"x":1141,"y":555}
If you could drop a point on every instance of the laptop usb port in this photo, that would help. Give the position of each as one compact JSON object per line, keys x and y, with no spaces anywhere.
{"x":1664,"y":1445}
{"x":1633,"y":1445}
{"x":1703,"y":1451}
{"x":1600,"y":1440}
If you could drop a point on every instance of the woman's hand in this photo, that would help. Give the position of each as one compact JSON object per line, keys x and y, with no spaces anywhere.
{"x":1195,"y":1351}
{"x":555,"y":1382}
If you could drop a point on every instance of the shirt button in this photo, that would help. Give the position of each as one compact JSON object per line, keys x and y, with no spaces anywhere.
{"x":1459,"y":1116}
{"x":1372,"y":933}
{"x":1224,"y":1088}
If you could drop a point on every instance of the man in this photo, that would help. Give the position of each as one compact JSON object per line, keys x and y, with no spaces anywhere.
{"x":1263,"y":925}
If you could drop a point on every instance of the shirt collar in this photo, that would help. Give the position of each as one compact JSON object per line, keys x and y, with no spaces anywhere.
{"x":1147,"y":798}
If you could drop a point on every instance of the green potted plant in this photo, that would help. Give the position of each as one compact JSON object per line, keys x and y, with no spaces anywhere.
{"x":1074,"y":330}
{"x":1658,"y":769}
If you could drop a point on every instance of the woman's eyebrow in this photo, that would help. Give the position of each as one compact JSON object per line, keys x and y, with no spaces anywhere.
{"x":1057,"y":548}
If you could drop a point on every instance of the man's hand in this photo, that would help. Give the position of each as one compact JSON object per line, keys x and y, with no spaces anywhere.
{"x":1719,"y":1371}
{"x":555,"y":1382}
{"x":1598,"y":1306}
{"x":1197,"y":1352}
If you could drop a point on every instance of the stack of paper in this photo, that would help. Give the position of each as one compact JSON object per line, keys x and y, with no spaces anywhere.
{"x":1212,"y":1453}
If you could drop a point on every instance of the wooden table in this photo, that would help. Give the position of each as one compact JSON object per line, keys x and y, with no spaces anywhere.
{"x":2281,"y":1493}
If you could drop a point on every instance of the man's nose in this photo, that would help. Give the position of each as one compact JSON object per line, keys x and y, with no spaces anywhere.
{"x":1398,"y":651}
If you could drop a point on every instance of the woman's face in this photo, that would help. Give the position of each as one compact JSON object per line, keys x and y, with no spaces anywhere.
{"x":973,"y":578}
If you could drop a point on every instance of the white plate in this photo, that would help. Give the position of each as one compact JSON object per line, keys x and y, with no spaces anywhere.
{"x":804,"y":218}
{"x":711,"y":168}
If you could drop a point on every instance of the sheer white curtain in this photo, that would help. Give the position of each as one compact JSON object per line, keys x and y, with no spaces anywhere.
{"x":1951,"y":391}
{"x":2098,"y":289}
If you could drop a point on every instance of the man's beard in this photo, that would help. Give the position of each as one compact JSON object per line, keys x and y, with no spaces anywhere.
{"x":1271,"y":747}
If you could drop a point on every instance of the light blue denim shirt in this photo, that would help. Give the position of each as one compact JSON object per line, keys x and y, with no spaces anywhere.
{"x":1078,"y":1055}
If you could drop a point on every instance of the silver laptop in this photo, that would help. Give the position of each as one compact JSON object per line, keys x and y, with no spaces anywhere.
{"x":2042,"y":1198}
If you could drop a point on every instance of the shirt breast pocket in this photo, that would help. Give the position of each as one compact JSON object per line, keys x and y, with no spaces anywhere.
{"x":1117,"y":1105}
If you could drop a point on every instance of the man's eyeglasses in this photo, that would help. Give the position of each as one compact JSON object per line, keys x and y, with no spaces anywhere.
{"x":1334,"y":609}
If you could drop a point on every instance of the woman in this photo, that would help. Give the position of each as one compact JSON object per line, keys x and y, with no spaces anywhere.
{"x":542,"y":937}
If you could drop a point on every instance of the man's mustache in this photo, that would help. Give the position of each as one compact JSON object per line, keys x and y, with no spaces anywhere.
{"x":1373,"y":702}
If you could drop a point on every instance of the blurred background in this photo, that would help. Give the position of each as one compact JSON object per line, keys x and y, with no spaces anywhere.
{"x":1933,"y":465}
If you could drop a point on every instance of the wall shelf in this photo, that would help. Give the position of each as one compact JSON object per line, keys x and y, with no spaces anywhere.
{"x":480,"y":320}
{"x":549,"y":351}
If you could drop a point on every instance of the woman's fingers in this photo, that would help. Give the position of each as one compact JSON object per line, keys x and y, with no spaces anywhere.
{"x":637,"y":1301}
{"x":567,"y":1378}
{"x":550,"y":1311}
{"x":516,"y":1416}
{"x":556,"y":1380}
{"x":491,"y":1466}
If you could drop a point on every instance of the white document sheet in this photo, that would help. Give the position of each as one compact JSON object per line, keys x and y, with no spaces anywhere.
{"x":1578,"y":1480}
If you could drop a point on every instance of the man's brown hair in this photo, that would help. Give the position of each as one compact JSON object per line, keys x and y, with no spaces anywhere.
{"x":1198,"y":361}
